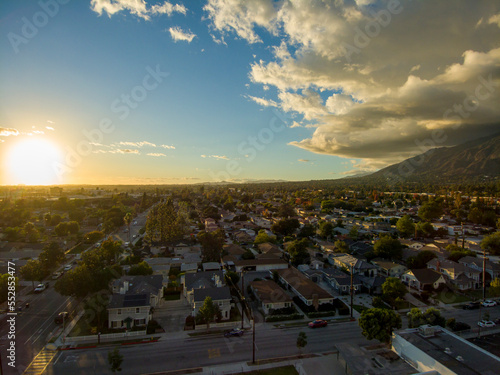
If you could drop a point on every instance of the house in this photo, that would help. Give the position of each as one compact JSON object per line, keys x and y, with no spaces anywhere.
{"x":423,"y":279}
{"x":462,"y":276}
{"x":201,"y":280}
{"x":260,"y":264}
{"x":309,"y":292}
{"x":360,"y":248}
{"x":389,"y":269}
{"x":132,"y":300}
{"x":221,"y":296}
{"x":211,"y":266}
{"x":341,"y":281}
{"x":492,"y":269}
{"x":270,"y":295}
{"x":373,"y":285}
{"x":269,"y":248}
{"x":359,"y":266}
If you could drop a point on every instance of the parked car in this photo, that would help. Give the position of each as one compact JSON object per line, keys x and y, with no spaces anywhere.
{"x":472,"y":306}
{"x":488,"y":303}
{"x":56,"y":275}
{"x":40,"y":288}
{"x":486,"y":323}
{"x":61,"y":317}
{"x":67,"y":267}
{"x":318,"y":323}
{"x":234,"y":332}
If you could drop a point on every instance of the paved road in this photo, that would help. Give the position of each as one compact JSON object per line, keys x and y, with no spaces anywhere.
{"x":34,"y":327}
{"x":210,"y":350}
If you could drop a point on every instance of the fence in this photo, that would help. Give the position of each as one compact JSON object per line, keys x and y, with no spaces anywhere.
{"x":104,"y":337}
{"x":200,"y":327}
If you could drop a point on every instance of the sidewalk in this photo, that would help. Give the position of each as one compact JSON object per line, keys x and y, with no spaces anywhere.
{"x":310,"y":364}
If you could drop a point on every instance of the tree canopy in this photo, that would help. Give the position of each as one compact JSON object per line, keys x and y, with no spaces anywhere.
{"x":491,"y":243}
{"x":388,"y":248}
{"x":379,"y":323}
{"x":405,"y":226}
{"x":208,"y":312}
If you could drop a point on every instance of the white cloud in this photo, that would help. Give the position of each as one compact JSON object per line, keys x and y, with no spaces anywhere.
{"x":137,"y":144}
{"x":178,"y":34}
{"x":138,"y":8}
{"x":156,"y":154}
{"x":168,"y":147}
{"x":49,"y":128}
{"x":263,"y":102}
{"x":5,"y":132}
{"x":405,"y":77}
{"x":217,"y":157}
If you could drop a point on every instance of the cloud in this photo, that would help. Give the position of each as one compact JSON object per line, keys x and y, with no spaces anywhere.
{"x":240,"y":16}
{"x":178,"y":34}
{"x":137,"y":144}
{"x":305,"y":160}
{"x":218,"y":157}
{"x":49,"y":128}
{"x":156,"y":154}
{"x":261,"y":101}
{"x":5,"y":132}
{"x":375,"y":88}
{"x":138,"y":8}
{"x":168,"y":147}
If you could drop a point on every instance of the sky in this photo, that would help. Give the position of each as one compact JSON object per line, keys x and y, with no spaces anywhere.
{"x":160,"y":92}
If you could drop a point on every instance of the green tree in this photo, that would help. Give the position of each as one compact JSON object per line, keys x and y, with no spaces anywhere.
{"x":354,"y":232}
{"x":263,"y":237}
{"x":298,"y":251}
{"x":73,"y":227}
{"x":55,"y":219}
{"x":388,"y":248}
{"x":127,"y":219}
{"x":32,"y":271}
{"x":233,"y":277}
{"x":494,"y":290}
{"x":405,"y":226}
{"x":208,"y":312}
{"x":61,"y":229}
{"x":51,"y":256}
{"x":325,"y":229}
{"x":285,"y":227}
{"x":163,"y":224}
{"x":379,"y":324}
{"x":421,"y":259}
{"x":212,"y":243}
{"x":341,"y":247}
{"x":32,"y":234}
{"x":425,"y":229}
{"x":491,"y":243}
{"x":93,"y":237}
{"x":430,"y":210}
{"x":431,"y":316}
{"x":415,"y":318}
{"x":393,"y":289}
{"x":286,"y":211}
{"x":475,"y":215}
{"x":308,"y":230}
{"x":141,"y":268}
{"x":115,"y":360}
{"x":301,"y":341}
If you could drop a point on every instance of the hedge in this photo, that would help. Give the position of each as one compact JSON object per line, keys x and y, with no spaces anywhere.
{"x":280,"y":318}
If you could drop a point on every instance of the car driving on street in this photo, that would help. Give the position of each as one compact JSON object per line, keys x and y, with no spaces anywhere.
{"x":318,"y":323}
{"x":234,"y":332}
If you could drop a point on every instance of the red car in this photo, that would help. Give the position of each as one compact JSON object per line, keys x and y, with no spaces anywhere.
{"x":318,"y":323}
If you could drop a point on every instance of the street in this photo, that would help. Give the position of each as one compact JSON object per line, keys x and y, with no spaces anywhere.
{"x":206,"y":350}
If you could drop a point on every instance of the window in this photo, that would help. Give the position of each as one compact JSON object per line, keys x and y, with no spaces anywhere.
{"x":119,"y":311}
{"x":137,"y":310}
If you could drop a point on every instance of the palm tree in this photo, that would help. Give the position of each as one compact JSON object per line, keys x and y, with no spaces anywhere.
{"x":128,"y":219}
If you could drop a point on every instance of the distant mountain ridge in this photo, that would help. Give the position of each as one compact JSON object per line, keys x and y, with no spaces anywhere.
{"x":479,"y":158}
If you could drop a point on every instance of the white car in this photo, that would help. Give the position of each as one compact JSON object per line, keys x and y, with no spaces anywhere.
{"x":40,"y":288}
{"x":67,"y":267}
{"x":488,"y":303}
{"x":486,"y":323}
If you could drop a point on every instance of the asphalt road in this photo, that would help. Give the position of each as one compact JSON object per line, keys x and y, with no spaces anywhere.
{"x":205,"y":351}
{"x":34,"y":327}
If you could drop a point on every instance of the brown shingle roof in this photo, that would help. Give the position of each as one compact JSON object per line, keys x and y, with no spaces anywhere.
{"x":269,"y":292}
{"x":302,"y":284}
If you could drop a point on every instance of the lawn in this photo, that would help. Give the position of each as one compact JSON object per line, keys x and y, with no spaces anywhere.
{"x":284,"y":370}
{"x":360,"y":308}
{"x":450,"y":297}
{"x":172,"y":296}
{"x":82,"y":328}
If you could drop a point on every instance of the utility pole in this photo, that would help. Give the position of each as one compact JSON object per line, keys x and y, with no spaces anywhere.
{"x":352,"y":289}
{"x":253,"y":338}
{"x":242,"y":298}
{"x":484,"y":274}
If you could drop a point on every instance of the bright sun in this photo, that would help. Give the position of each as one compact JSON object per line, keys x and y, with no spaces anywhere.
{"x":31,"y":161}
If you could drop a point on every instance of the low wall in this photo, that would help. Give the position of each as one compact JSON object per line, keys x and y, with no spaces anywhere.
{"x":105,"y":337}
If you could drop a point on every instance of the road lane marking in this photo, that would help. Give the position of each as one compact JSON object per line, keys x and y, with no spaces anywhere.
{"x":40,"y":362}
{"x":213,"y":353}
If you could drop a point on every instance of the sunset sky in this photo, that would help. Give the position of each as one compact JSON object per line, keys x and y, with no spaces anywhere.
{"x":153,"y":92}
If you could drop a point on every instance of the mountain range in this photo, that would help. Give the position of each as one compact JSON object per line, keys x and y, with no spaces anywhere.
{"x":473,"y":160}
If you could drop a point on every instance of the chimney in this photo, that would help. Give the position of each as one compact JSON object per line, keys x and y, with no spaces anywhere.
{"x":438,"y":266}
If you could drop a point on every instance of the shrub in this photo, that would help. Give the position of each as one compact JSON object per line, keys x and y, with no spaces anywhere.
{"x":281,"y":318}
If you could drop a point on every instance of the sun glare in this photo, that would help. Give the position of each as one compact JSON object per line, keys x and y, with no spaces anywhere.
{"x":30,"y":162}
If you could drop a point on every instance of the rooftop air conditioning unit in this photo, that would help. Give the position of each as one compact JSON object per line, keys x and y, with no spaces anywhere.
{"x":426,"y":330}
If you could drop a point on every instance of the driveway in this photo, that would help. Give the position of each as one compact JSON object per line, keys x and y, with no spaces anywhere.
{"x":171,"y":315}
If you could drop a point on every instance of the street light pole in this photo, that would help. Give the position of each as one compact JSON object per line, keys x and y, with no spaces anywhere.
{"x":352,"y":288}
{"x":253,"y":339}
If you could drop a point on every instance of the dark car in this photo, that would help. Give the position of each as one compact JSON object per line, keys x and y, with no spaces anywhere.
{"x":318,"y":323}
{"x":497,"y":321}
{"x":472,"y":306}
{"x":61,"y":317}
{"x":234,"y":332}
